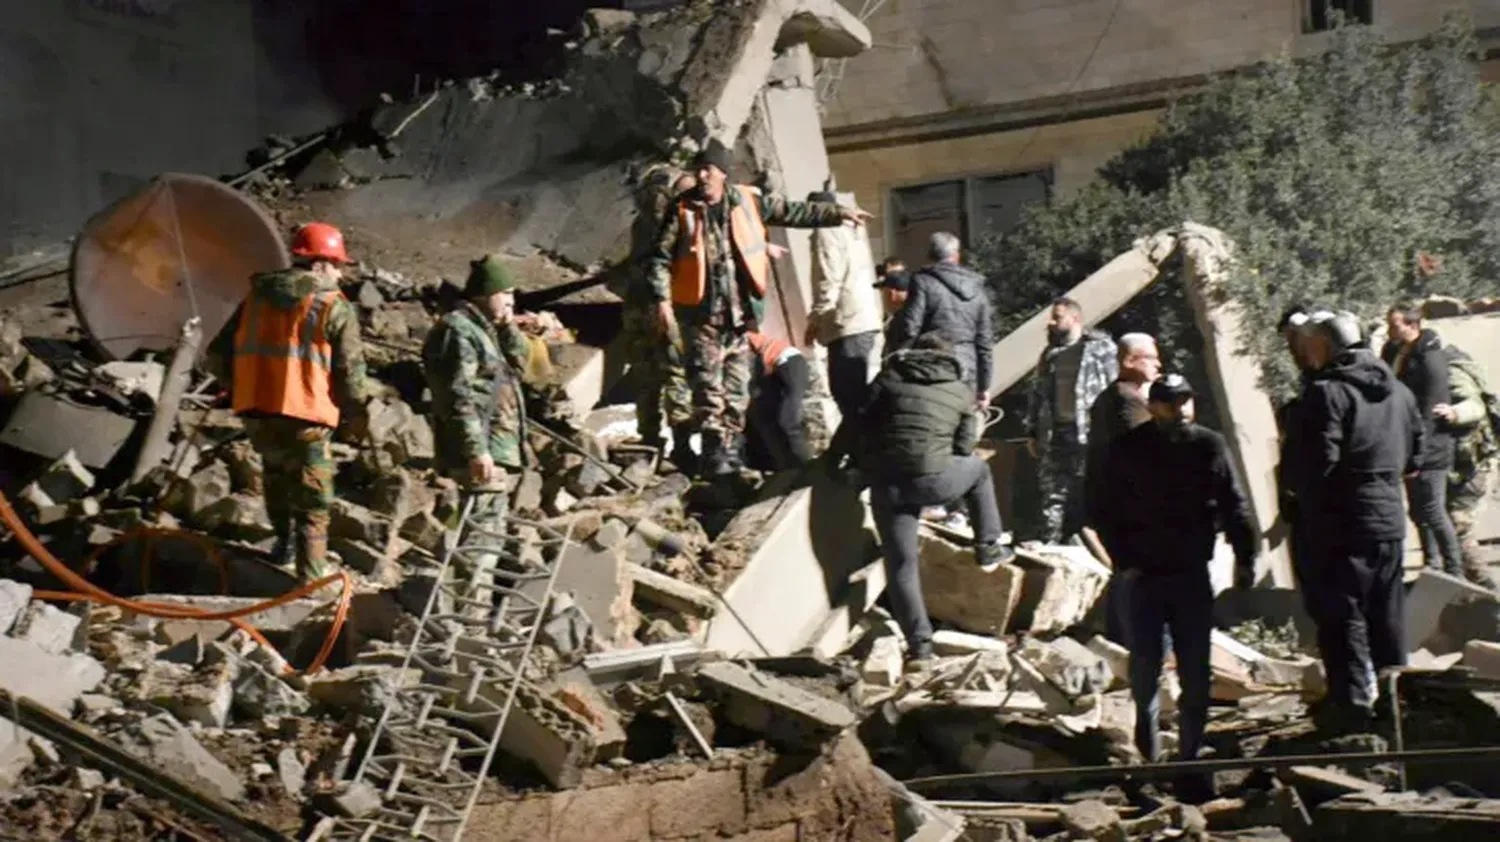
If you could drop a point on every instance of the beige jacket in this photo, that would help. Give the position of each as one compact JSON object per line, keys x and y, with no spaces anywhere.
{"x":845,"y":301}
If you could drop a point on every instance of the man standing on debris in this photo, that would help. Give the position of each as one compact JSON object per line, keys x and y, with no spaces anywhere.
{"x":295,"y":366}
{"x":950,"y":299}
{"x":1469,"y":418}
{"x":473,"y":360}
{"x":1173,"y":488}
{"x":1416,"y":356}
{"x":845,"y":314}
{"x":711,"y":269}
{"x":913,"y":442}
{"x":775,"y":439}
{"x":1358,"y":432}
{"x":1074,"y":369}
{"x":1121,"y":407}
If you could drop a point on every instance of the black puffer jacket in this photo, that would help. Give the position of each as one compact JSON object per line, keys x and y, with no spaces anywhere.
{"x":1426,"y":375}
{"x":1358,"y":433}
{"x":918,"y":416}
{"x":950,"y":299}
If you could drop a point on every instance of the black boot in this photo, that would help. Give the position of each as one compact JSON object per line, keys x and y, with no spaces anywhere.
{"x":682,"y":455}
{"x":716,"y":457}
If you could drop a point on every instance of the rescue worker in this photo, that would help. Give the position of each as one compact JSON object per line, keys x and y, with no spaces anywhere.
{"x":775,"y":439}
{"x":1173,"y":488}
{"x":1075,"y":367}
{"x":950,"y":298}
{"x":845,"y":315}
{"x":894,"y":284}
{"x":1468,"y":418}
{"x":473,"y":360}
{"x":1358,"y":432}
{"x":1292,"y":327}
{"x":914,"y":444}
{"x":1121,"y":407}
{"x":709,"y":275}
{"x":295,"y":367}
{"x":1416,"y":356}
{"x":662,"y":388}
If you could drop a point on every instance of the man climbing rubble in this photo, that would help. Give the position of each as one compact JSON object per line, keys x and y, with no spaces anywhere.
{"x":1470,"y":417}
{"x":473,"y":360}
{"x":711,"y":270}
{"x":845,"y":316}
{"x":1075,"y":367}
{"x":913,"y":442}
{"x":295,"y":367}
{"x":1172,"y":489}
{"x":950,"y":298}
{"x":775,"y":438}
{"x":1358,"y":432}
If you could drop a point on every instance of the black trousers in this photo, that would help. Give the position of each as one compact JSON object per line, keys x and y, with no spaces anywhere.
{"x":774,"y":438}
{"x":1356,"y":597}
{"x":849,"y":371}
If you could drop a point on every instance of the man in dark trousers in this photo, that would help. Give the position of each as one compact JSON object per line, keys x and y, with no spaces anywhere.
{"x":1416,"y":356}
{"x":1121,"y":407}
{"x":1173,"y":489}
{"x":914,"y":444}
{"x":1358,"y":432}
{"x":775,"y":439}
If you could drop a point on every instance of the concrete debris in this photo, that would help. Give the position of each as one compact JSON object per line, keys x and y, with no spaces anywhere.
{"x":169,"y":746}
{"x":785,"y":713}
{"x":1060,"y":586}
{"x":957,"y":591}
{"x":51,"y":629}
{"x":1068,"y":665}
{"x":14,"y":598}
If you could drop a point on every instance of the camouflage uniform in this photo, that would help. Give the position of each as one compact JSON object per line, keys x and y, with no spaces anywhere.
{"x":472,"y":370}
{"x":717,"y":356}
{"x":664,"y":392}
{"x":1474,"y":459}
{"x":298,"y":466}
{"x":1061,"y":445}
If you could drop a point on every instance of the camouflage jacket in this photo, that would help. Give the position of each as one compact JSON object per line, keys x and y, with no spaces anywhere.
{"x":775,"y":210}
{"x":1474,"y":442}
{"x":473,"y":369}
{"x":1099,"y":368}
{"x":284,"y":289}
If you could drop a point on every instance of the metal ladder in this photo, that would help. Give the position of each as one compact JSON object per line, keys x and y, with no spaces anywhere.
{"x":428,"y":756}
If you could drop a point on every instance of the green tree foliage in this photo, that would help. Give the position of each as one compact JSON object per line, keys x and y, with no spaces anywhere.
{"x":1331,"y":174}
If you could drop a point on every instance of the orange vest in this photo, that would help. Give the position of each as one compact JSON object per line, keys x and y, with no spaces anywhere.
{"x":769,"y":348}
{"x":747,"y":230}
{"x":283,"y":361}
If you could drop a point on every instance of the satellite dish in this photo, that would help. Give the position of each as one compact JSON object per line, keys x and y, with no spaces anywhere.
{"x":180,"y":246}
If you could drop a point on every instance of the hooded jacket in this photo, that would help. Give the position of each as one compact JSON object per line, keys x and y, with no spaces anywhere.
{"x":1358,"y":433}
{"x":918,"y":417}
{"x":950,"y":299}
{"x":1425,"y":373}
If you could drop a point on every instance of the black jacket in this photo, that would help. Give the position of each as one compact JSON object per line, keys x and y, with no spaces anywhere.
{"x":919,"y":414}
{"x":950,"y":299}
{"x":1118,"y":410}
{"x":1426,"y":375}
{"x":1357,"y":432}
{"x":1168,"y":496}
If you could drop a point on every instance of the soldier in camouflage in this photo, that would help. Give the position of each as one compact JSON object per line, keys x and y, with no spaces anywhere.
{"x":292,"y":360}
{"x":473,"y":360}
{"x":708,"y":276}
{"x":1474,"y":458}
{"x":1075,"y":367}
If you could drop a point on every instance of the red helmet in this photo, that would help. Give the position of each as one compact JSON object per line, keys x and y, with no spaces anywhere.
{"x":320,"y":241}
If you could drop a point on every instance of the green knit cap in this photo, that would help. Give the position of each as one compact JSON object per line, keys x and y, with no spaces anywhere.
{"x":488,"y":276}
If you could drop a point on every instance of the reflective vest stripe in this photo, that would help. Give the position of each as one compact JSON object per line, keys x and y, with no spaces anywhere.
{"x":283,"y":360}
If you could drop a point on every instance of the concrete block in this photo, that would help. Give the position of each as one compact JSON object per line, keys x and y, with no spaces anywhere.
{"x":958,"y":592}
{"x":949,"y":642}
{"x":1426,"y":602}
{"x":844,"y":622}
{"x":170,"y":747}
{"x":14,"y":597}
{"x":50,"y":628}
{"x":785,"y":713}
{"x":602,"y":586}
{"x":291,"y":771}
{"x":66,"y":479}
{"x":1117,"y":656}
{"x":258,"y":694}
{"x":424,"y":530}
{"x":1060,"y":587}
{"x":282,"y":618}
{"x":539,"y":730}
{"x":202,"y":695}
{"x":357,"y":523}
{"x":50,"y":679}
{"x":667,"y":592}
{"x":884,"y":665}
{"x":1406,"y":815}
{"x":578,"y":694}
{"x":1069,"y":665}
{"x":1483,"y":656}
{"x":364,"y":689}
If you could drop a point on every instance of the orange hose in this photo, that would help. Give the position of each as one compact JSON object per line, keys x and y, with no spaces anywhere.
{"x":86,"y":590}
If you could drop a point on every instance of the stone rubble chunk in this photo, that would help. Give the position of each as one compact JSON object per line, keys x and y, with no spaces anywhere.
{"x":14,"y":597}
{"x":291,"y":771}
{"x":1060,"y":587}
{"x":258,"y":693}
{"x":1115,"y":655}
{"x":354,"y":801}
{"x":202,"y":695}
{"x":956,"y":591}
{"x":363,"y":689}
{"x":48,"y":627}
{"x":424,"y":530}
{"x":1093,"y":820}
{"x":170,"y":747}
{"x":358,"y":523}
{"x":784,"y":712}
{"x":949,"y":642}
{"x":87,"y":779}
{"x":884,"y":665}
{"x":66,"y":479}
{"x":1069,"y":665}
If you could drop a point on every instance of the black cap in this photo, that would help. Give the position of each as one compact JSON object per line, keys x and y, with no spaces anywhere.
{"x":1170,"y":389}
{"x":899,"y":281}
{"x":716,"y":154}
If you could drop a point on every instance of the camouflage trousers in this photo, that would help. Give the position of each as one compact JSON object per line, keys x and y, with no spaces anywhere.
{"x":1466,"y":497}
{"x":1060,"y":475}
{"x":299,"y":472}
{"x":718,"y":369}
{"x":664,"y":392}
{"x":485,"y":527}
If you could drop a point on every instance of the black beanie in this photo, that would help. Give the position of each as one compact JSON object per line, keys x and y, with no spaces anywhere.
{"x":717,"y":154}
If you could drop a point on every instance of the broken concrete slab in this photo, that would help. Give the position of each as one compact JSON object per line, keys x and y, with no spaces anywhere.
{"x":1068,"y":665}
{"x":675,"y":594}
{"x":601,"y":584}
{"x":956,"y":591}
{"x":785,"y":713}
{"x":202,"y":695}
{"x":364,"y":689}
{"x":540,"y":730}
{"x":66,"y":479}
{"x":1483,"y":657}
{"x":173,"y":749}
{"x":1060,"y":587}
{"x":357,"y":523}
{"x":280,"y":618}
{"x":884,"y":665}
{"x":50,"y":628}
{"x":14,"y":597}
{"x":1407,"y":815}
{"x":949,"y":642}
{"x":1429,"y":598}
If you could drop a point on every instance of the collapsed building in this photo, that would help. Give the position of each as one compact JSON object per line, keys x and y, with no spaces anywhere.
{"x":665,"y":661}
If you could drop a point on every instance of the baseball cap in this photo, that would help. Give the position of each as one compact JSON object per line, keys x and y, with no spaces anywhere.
{"x":1171,"y":389}
{"x":900,"y":281}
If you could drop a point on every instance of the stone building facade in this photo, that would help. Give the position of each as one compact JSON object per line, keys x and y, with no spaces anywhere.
{"x":966,"y":111}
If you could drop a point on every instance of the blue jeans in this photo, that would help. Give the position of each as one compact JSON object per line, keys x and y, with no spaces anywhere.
{"x":1153,"y":604}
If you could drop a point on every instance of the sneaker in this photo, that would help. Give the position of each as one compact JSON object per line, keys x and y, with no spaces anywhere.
{"x":991,"y":556}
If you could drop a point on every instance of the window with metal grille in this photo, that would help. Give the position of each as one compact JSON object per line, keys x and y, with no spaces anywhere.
{"x":973,"y":208}
{"x":1320,"y":15}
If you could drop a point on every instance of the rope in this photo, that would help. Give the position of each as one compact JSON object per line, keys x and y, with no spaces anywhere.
{"x":84,"y":590}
